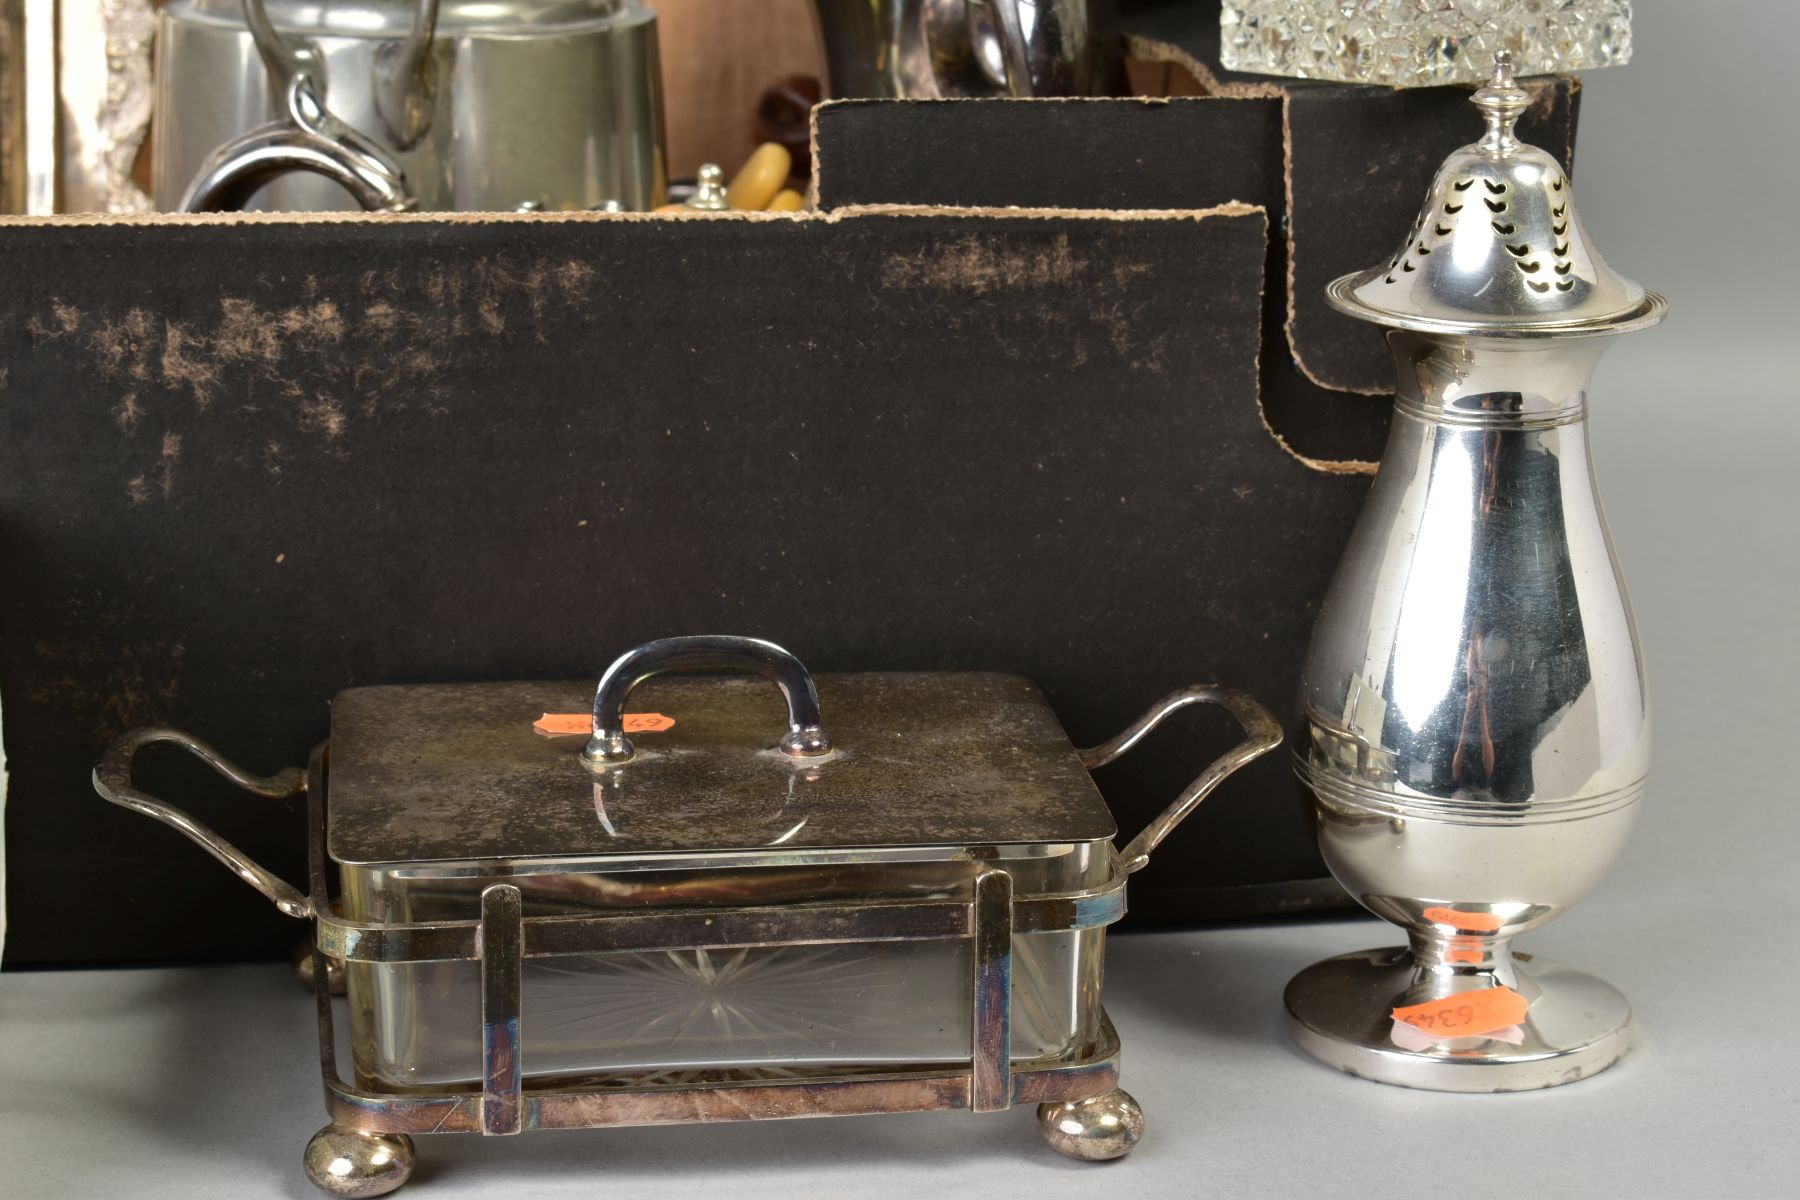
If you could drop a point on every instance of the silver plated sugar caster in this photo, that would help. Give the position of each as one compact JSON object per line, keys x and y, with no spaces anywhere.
{"x":1474,"y":724}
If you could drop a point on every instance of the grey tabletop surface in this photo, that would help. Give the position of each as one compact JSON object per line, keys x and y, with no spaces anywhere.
{"x":202,"y":1082}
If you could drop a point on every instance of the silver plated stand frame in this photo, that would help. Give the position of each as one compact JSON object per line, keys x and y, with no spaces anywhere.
{"x":367,"y":1150}
{"x":501,"y":939}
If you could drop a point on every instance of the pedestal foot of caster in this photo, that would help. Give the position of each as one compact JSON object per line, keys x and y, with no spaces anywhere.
{"x":350,"y":1162}
{"x":1098,"y":1128}
{"x":1340,"y":1011}
{"x":303,"y":967}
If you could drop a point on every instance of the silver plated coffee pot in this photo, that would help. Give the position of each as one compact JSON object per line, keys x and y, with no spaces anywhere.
{"x":1473,"y":718}
{"x":394,"y":105}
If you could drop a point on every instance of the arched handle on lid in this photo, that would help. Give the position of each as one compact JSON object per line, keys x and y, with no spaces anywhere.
{"x":805,"y":737}
{"x":1262,"y":733}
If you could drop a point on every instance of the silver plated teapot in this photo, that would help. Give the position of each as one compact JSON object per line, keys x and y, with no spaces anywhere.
{"x":396,"y":105}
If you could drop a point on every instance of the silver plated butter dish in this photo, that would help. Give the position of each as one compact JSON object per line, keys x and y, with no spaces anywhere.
{"x":864,"y":893}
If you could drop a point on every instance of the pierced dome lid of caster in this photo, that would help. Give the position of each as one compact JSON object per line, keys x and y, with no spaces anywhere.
{"x":1498,"y":246}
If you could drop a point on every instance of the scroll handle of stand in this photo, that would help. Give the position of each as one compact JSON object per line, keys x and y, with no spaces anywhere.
{"x":1262,"y":733}
{"x":112,"y":779}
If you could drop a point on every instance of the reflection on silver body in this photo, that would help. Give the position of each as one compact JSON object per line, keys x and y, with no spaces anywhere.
{"x":1474,"y":723}
{"x":438,"y":105}
{"x":924,"y":49}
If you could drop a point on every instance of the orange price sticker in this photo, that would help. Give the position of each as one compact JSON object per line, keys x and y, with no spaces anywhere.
{"x":1466,"y":1014}
{"x":1469,"y":922}
{"x":564,"y":724}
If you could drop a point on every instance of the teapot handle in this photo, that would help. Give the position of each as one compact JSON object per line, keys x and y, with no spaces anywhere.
{"x":112,"y":779}
{"x":311,"y":138}
{"x":1262,"y":733}
{"x":805,"y":737}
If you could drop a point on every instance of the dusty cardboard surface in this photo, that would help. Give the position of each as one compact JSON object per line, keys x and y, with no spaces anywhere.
{"x":246,"y":464}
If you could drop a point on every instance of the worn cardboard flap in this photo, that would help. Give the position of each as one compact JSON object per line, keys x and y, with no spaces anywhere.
{"x":1356,"y":162}
{"x":1343,"y":168}
{"x":245,"y":464}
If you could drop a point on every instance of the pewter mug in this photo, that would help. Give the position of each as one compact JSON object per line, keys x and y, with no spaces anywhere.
{"x":434,"y":105}
{"x":924,"y":49}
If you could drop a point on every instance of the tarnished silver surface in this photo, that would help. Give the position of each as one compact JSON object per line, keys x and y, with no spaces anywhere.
{"x":991,"y":931}
{"x":353,"y":1163}
{"x":1094,"y":1129}
{"x":923,"y":49}
{"x":457,"y":772}
{"x":805,"y":737}
{"x":1474,"y":723}
{"x":502,"y":1068}
{"x":477,"y":105}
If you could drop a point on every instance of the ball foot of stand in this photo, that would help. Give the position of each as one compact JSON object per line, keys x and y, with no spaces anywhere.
{"x":302,"y":960}
{"x":1094,"y":1130}
{"x":350,"y":1162}
{"x":1339,"y":1012}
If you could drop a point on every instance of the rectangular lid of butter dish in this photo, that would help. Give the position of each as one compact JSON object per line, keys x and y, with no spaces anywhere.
{"x":466,"y":773}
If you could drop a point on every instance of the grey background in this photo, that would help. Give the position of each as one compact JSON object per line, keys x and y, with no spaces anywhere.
{"x":201,"y":1083}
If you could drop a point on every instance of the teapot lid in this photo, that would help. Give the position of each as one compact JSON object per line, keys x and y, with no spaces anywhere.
{"x":1499,"y":246}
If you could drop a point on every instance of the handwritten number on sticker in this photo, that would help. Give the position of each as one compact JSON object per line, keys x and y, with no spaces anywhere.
{"x":1466,"y":1014}
{"x":1449,"y":1017}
